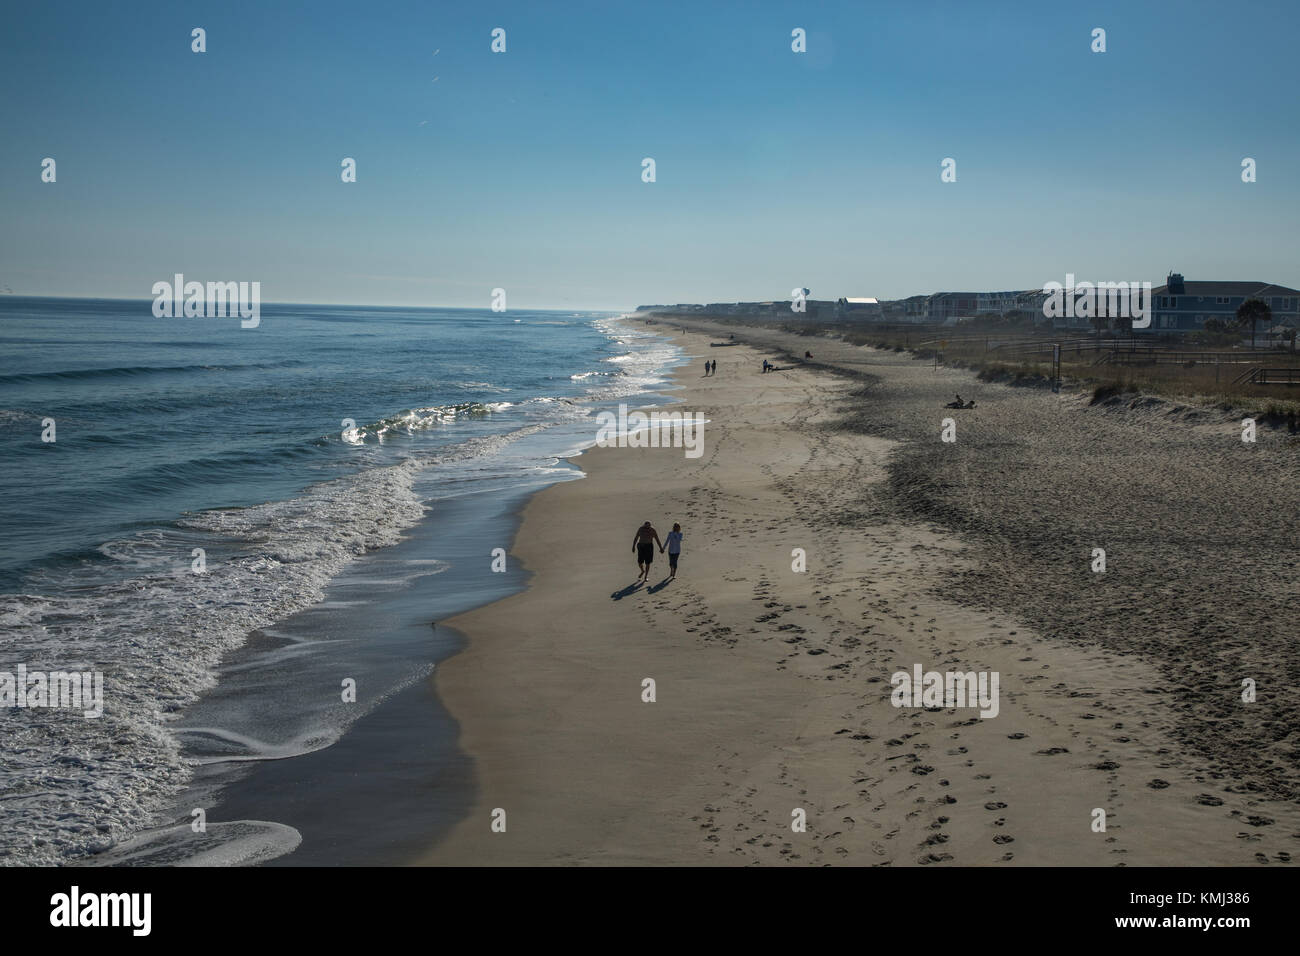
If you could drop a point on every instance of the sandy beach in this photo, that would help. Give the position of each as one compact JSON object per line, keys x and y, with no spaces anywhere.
{"x":1119,"y":691}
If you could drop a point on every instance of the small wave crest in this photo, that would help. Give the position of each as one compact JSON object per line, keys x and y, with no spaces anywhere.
{"x":418,"y":419}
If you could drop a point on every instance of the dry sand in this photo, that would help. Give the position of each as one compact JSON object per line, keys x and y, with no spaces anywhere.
{"x":1118,"y":691}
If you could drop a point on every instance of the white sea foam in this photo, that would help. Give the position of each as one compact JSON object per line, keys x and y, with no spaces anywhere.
{"x":232,"y":843}
{"x":643,"y":366}
{"x":157,"y":636}
{"x":418,"y":419}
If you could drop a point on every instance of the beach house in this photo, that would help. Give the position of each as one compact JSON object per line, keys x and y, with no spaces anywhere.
{"x":1180,"y":306}
{"x":861,"y":307}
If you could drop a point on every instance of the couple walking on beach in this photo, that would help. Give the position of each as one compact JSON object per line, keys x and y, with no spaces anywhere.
{"x":644,"y":545}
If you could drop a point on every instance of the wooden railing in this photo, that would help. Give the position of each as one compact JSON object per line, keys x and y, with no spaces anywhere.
{"x":1269,"y":376}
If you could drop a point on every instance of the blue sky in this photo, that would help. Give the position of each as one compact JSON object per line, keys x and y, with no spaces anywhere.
{"x":774,"y":169}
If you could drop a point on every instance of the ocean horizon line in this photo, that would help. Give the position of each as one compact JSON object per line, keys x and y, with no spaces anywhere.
{"x":329,"y":305}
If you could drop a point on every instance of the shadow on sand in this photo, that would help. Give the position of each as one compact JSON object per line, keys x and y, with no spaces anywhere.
{"x":619,"y":595}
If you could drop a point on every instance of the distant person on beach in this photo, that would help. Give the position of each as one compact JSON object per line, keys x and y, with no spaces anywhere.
{"x":807,"y":355}
{"x":644,"y":545}
{"x":766,"y":365}
{"x":674,"y":545}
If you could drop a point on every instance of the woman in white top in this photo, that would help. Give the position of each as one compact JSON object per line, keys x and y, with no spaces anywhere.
{"x":674,"y":545}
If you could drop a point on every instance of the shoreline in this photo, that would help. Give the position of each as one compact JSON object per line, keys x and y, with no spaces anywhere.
{"x":268,"y":773}
{"x":773,"y":688}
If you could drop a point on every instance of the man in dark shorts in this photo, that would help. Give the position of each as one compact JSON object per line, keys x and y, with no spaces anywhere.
{"x":644,"y":546}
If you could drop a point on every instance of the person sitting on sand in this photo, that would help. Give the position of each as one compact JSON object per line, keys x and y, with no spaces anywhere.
{"x":644,"y":545}
{"x":807,"y":355}
{"x":674,"y":545}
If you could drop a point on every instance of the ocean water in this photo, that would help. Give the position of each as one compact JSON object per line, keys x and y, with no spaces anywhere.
{"x":288,"y":453}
